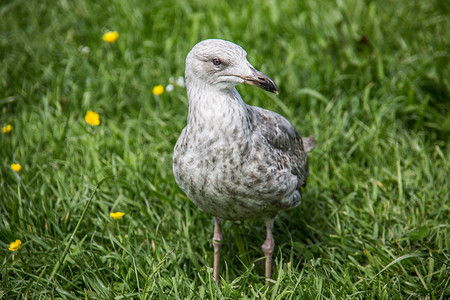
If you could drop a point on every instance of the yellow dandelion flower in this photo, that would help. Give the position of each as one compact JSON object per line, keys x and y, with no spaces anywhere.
{"x":158,"y":90}
{"x":110,"y":36}
{"x":92,"y":118}
{"x":117,"y":215}
{"x":16,"y":167}
{"x":7,"y":129}
{"x":14,"y":246}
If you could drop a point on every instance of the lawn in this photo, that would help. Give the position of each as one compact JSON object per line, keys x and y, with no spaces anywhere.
{"x":370,"y":79}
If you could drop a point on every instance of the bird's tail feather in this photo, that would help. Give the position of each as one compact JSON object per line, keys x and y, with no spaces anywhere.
{"x":309,"y":143}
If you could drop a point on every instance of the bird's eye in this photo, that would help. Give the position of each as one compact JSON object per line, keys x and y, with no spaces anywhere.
{"x":216,"y":61}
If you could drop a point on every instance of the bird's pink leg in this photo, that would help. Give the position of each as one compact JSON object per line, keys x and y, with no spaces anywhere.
{"x":267,"y":247}
{"x":217,"y":243}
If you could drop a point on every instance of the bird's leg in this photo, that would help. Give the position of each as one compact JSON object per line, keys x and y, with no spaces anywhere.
{"x":267,"y":247}
{"x":217,"y":243}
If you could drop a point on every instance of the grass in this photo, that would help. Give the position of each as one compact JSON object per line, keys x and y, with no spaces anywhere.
{"x":371,"y":80}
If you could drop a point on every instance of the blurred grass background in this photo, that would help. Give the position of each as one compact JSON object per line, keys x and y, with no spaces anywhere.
{"x":370,"y":79}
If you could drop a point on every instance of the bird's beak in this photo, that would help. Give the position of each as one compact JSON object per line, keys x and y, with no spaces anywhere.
{"x":261,"y":80}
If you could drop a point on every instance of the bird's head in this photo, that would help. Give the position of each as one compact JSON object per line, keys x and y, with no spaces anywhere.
{"x":224,"y":65}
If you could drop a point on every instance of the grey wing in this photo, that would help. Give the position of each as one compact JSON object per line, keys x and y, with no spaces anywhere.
{"x":283,"y":138}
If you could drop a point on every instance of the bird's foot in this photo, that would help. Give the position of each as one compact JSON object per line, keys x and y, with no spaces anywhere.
{"x":267,"y":247}
{"x":217,"y":243}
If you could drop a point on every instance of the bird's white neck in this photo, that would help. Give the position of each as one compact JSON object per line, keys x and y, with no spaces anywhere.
{"x":215,"y":110}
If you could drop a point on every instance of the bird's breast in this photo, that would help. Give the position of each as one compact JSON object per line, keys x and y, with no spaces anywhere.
{"x":230,"y":178}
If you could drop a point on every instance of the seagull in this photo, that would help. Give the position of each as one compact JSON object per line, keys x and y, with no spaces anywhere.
{"x":236,"y":161}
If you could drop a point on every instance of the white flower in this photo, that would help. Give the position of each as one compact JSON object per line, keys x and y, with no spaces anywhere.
{"x":84,"y":49}
{"x":169,"y":87}
{"x":180,"y":81}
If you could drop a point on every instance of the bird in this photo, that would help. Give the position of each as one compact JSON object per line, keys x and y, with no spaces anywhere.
{"x":235,"y":161}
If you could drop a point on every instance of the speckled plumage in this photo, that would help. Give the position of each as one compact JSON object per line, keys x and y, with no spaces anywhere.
{"x":233,"y":160}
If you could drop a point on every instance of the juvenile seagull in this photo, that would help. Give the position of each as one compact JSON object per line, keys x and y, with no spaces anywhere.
{"x":233,"y":160}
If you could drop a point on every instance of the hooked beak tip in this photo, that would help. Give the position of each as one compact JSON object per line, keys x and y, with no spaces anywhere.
{"x":263,"y":81}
